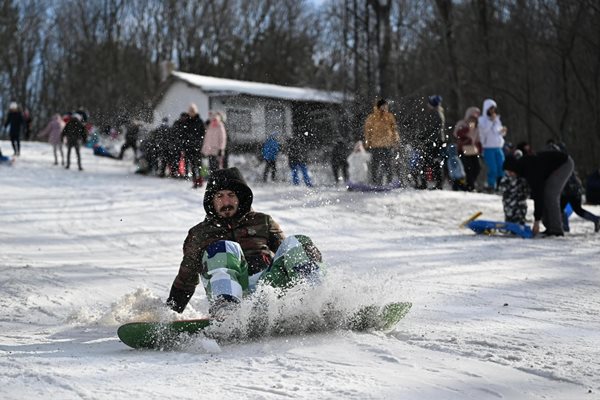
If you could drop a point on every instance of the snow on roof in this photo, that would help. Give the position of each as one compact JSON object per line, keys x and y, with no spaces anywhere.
{"x":212,"y":84}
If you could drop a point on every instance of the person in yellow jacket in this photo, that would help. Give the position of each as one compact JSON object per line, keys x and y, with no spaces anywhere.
{"x":381,"y":137}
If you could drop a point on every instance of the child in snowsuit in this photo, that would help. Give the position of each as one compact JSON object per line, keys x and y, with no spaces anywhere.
{"x":358,"y":164}
{"x":515,"y":192}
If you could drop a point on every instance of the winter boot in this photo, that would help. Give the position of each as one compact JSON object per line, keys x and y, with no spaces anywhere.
{"x":223,"y":306}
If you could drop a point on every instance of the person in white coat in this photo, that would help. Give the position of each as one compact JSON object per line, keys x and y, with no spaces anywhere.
{"x":491,"y":135}
{"x":358,"y":164}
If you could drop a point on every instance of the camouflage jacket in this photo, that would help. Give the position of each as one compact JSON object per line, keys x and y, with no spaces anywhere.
{"x":258,"y":235}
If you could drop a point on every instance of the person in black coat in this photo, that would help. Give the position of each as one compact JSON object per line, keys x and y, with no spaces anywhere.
{"x":131,"y":138}
{"x":16,"y":121}
{"x":339,"y":160}
{"x":177,"y":141}
{"x":193,"y":136}
{"x":75,"y":134}
{"x":297,"y":156}
{"x":547,"y":173}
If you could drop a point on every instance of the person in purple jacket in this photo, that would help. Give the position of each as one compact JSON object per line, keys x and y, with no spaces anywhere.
{"x":53,"y":131}
{"x":547,"y":173}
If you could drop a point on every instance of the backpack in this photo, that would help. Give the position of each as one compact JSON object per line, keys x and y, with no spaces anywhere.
{"x":456,"y":170}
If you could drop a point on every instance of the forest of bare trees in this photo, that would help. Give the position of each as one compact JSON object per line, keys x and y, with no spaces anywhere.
{"x":540,"y":59}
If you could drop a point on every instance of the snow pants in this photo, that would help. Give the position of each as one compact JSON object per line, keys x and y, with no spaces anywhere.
{"x":552,"y":216}
{"x":578,"y":209}
{"x":129,"y":144}
{"x":58,"y":148}
{"x":494,"y":160}
{"x":270,"y":166}
{"x":302,"y":167}
{"x":340,"y":167}
{"x":77,"y":153}
{"x":381,"y":165}
{"x":15,"y":141}
{"x":472,"y":169}
{"x":227,"y":271}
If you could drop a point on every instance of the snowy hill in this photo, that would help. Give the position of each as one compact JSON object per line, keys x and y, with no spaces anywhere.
{"x":82,"y":252}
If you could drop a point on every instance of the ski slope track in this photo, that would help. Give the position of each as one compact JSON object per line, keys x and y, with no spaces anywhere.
{"x":492,"y":317}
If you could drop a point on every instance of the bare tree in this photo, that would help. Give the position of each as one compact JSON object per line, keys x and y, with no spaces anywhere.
{"x":383,"y":32}
{"x":445,"y":10}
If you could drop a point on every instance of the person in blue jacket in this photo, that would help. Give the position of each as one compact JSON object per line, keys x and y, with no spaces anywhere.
{"x":270,"y":151}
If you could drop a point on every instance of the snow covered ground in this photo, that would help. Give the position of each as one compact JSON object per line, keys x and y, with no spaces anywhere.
{"x":82,"y":252}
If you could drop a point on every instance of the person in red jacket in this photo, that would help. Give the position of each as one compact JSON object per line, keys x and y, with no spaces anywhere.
{"x":469,"y":146}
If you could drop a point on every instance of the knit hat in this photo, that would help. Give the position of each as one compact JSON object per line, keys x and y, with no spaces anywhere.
{"x":13,"y":105}
{"x":472,"y":112}
{"x":511,"y":163}
{"x":435,"y":100}
{"x":228,"y":179}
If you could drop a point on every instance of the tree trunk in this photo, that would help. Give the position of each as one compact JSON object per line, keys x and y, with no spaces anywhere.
{"x":383,"y":33}
{"x":456,"y":104}
{"x":482,"y":7}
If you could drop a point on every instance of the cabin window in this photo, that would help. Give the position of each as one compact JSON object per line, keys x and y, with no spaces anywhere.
{"x":239,"y":122}
{"x":275,"y":119}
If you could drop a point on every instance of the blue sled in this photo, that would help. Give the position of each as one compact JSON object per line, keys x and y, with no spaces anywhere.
{"x":492,"y":227}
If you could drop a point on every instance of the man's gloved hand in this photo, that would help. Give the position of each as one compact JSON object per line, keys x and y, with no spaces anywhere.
{"x":178,"y":299}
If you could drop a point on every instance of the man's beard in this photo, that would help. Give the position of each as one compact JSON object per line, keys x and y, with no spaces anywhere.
{"x":225,"y":209}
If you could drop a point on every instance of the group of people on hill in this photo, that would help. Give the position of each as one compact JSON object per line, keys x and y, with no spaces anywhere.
{"x":425,"y":145}
{"x":547,"y":176}
{"x":296,"y":148}
{"x":178,"y":150}
{"x":69,"y":130}
{"x":421,"y":145}
{"x":60,"y":130}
